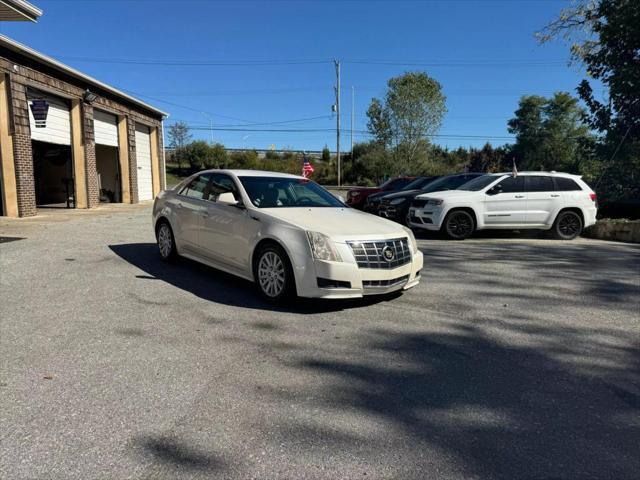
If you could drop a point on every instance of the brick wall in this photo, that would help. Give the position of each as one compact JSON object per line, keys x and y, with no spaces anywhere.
{"x":93,"y":190}
{"x":65,"y":88}
{"x":133,"y":164}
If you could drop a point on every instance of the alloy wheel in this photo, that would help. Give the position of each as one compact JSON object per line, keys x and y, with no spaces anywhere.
{"x":271,"y":274}
{"x":569,"y":225}
{"x":460,"y":225}
{"x":165,"y":240}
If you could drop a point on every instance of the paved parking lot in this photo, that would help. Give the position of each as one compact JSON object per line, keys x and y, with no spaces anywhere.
{"x":515,"y":358}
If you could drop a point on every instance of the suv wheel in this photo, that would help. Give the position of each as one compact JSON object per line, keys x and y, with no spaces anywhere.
{"x":459,"y":225}
{"x":568,"y":225}
{"x":273,"y":274}
{"x":166,"y":242}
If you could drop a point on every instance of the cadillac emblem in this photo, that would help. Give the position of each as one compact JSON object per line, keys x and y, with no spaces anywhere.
{"x":388,"y":253}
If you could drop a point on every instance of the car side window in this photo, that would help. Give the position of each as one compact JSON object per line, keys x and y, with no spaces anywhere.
{"x":539,"y":183}
{"x":564,"y":184}
{"x":510,"y":185}
{"x":196,"y":188}
{"x":222,"y":183}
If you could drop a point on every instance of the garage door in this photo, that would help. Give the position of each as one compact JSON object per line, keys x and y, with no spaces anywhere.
{"x":105,"y":128}
{"x":143,"y":159}
{"x":53,"y":123}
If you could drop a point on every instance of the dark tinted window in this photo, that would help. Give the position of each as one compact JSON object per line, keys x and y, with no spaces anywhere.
{"x":279,"y":192}
{"x":222,"y":183}
{"x":196,"y":187}
{"x":537,"y":183}
{"x":396,"y":184}
{"x":512,"y":185}
{"x":566,"y":184}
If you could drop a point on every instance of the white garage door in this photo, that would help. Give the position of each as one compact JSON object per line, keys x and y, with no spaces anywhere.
{"x":143,"y":158}
{"x":105,"y":128}
{"x":56,"y":127}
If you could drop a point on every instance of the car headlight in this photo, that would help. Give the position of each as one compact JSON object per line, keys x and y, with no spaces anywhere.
{"x":322,"y":247}
{"x":398,"y":201}
{"x":412,"y":240}
{"x":434,"y":201}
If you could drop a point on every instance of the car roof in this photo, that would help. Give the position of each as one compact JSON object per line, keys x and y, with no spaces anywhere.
{"x":252,"y":173}
{"x":544,"y":174}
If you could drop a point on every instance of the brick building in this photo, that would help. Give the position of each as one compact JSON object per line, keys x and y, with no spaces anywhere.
{"x":67,"y":139}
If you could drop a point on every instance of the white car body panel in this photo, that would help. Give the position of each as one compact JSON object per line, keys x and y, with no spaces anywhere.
{"x":225,"y":237}
{"x":522,"y":210}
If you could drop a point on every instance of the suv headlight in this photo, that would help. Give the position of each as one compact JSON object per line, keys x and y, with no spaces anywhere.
{"x":412,"y":240}
{"x":398,"y":201}
{"x":322,"y":247}
{"x":434,"y":201}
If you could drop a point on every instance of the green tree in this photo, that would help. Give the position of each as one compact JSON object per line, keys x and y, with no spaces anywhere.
{"x":326,"y":155}
{"x":413,"y":109}
{"x":550,"y":133}
{"x":199,"y":154}
{"x":179,"y":136}
{"x":606,"y":40}
{"x":219,"y":156}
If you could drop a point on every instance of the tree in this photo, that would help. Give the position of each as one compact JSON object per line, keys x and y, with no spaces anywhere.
{"x":550,"y":133}
{"x":219,"y":156}
{"x":199,"y":154}
{"x":412,"y":110}
{"x":606,"y":36}
{"x":179,"y":136}
{"x":326,"y":154}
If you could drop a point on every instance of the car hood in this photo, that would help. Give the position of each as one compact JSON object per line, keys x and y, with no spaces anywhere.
{"x":447,"y":194}
{"x":403,"y":193}
{"x":338,"y":223}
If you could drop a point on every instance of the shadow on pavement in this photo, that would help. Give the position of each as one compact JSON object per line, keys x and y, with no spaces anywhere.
{"x":496,"y":410}
{"x":220,"y":287}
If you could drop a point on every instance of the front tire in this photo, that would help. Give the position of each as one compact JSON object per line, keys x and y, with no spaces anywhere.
{"x":273,"y":274}
{"x":459,"y":225}
{"x":568,"y":225}
{"x":166,"y":242}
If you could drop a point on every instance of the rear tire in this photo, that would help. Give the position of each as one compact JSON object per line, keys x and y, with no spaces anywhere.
{"x":459,"y":225}
{"x":166,"y":242}
{"x":568,"y":225}
{"x":273,"y":274}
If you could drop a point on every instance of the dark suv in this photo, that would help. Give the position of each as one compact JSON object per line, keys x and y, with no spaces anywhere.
{"x":372,"y":203}
{"x":357,"y":196}
{"x":395,"y":206}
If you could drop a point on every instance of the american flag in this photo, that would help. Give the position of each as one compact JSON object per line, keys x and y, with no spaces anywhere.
{"x":307,"y":168}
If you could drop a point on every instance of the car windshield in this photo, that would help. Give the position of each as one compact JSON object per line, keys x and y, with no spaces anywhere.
{"x":479,"y":183}
{"x":443,"y":183}
{"x":283,"y":192}
{"x":418,"y":183}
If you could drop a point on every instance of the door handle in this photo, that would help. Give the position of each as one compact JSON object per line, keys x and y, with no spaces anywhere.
{"x":519,"y":196}
{"x":555,"y":195}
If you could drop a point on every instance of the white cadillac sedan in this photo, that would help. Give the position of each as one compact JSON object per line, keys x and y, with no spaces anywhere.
{"x":286,"y":233}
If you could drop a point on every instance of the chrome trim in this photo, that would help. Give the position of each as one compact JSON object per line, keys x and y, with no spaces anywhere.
{"x":368,"y":253}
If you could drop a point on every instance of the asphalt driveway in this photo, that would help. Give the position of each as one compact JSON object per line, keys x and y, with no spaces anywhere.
{"x":514,"y":358}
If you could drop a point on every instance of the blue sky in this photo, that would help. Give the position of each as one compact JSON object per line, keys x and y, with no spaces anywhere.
{"x":483,"y":53}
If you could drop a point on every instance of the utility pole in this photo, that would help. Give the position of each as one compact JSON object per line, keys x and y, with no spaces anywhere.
{"x":210,"y":125}
{"x":337,"y":88}
{"x":353,"y":114}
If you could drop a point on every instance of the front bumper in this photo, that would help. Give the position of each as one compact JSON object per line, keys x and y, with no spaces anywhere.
{"x":429,"y":218}
{"x":362,"y":281}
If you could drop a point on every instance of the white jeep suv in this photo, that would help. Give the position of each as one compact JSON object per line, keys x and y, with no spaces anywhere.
{"x":561,"y":202}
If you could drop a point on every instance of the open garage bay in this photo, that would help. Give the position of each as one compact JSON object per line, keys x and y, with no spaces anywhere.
{"x":514,"y":358}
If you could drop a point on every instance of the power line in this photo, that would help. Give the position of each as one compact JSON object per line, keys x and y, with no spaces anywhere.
{"x":192,"y":63}
{"x":280,"y":122}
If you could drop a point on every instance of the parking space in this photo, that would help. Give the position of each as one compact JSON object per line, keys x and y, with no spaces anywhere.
{"x":516,"y":357}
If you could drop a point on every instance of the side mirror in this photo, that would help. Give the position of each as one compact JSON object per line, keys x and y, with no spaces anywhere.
{"x":494,"y":190}
{"x":227,"y":197}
